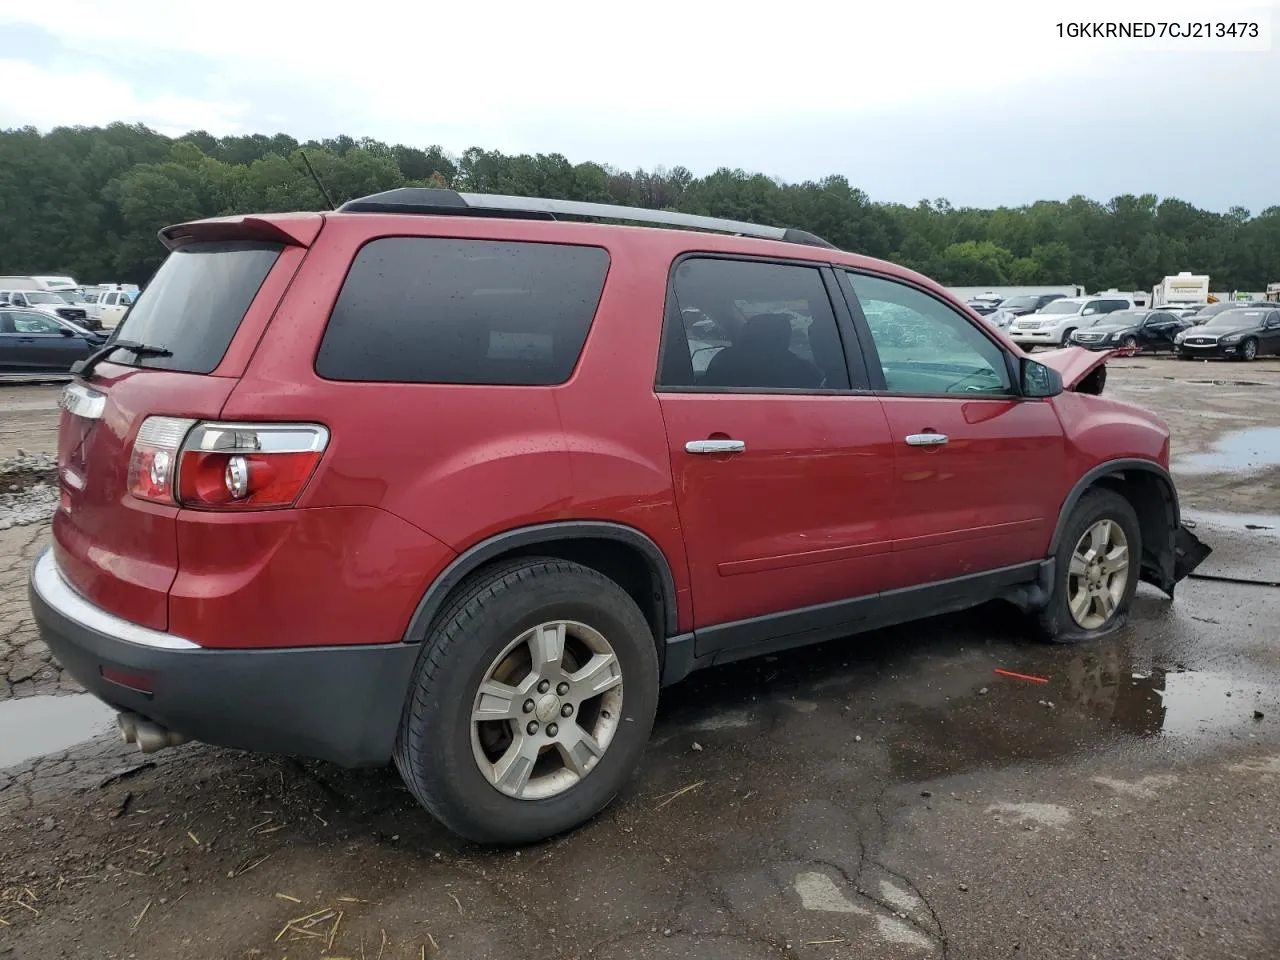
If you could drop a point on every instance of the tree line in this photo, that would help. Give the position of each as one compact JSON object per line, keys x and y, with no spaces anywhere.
{"x":87,"y":201}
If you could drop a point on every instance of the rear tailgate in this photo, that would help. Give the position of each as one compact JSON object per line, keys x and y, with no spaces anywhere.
{"x":207,"y":305}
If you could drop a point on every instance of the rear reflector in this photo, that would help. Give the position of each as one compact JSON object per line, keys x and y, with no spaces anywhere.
{"x":224,"y":466}
{"x":139,"y":682}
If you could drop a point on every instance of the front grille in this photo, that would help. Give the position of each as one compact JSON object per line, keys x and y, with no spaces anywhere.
{"x":71,"y":313}
{"x":1200,"y":342}
{"x":1028,"y":324}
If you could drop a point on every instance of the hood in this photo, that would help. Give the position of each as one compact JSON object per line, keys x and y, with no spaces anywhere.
{"x":1108,"y":328}
{"x":1220,"y":332}
{"x":1074,"y":363}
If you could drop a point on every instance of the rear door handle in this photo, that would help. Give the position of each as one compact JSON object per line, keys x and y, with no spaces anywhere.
{"x":927,"y":439}
{"x":715,"y":446}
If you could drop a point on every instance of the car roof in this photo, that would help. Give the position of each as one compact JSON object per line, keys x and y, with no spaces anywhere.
{"x":302,"y":228}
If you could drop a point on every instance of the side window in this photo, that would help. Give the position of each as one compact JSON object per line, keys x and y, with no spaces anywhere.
{"x":925,"y":346}
{"x":1111,"y":306}
{"x":751,"y":326}
{"x":1091,"y":308}
{"x":436,"y":310}
{"x":34,"y":323}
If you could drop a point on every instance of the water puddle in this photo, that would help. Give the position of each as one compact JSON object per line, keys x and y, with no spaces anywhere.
{"x":1267,"y":524}
{"x":1239,"y":452}
{"x":35,"y":726}
{"x":1194,"y":702}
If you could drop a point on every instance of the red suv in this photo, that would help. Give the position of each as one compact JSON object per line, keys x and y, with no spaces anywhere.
{"x":447,"y":479}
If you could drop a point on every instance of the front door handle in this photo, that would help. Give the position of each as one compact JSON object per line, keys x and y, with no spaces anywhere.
{"x":927,"y":439}
{"x":715,"y":446}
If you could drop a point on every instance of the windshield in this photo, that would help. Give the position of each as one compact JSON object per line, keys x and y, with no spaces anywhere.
{"x":39,"y":296}
{"x":1019,"y":303}
{"x":1237,"y":318}
{"x":1213,"y":309}
{"x":1061,"y":306}
{"x":1125,"y":317}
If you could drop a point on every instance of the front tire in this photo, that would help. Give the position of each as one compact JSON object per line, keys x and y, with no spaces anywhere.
{"x":1066,"y":336}
{"x":531,"y":704}
{"x":1249,"y":350}
{"x":1095,"y":571}
{"x":1129,"y":343}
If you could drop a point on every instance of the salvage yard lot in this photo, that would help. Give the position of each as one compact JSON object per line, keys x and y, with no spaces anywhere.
{"x":888,"y":796}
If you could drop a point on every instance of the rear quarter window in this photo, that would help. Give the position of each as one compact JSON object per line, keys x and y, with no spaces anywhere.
{"x":437,"y":310}
{"x":194,"y":304}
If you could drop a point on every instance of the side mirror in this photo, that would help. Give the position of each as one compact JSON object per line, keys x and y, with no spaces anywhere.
{"x":66,"y":331}
{"x":1038,"y":380}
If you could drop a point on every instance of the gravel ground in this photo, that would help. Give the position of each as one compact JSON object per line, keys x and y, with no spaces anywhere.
{"x":28,"y":489}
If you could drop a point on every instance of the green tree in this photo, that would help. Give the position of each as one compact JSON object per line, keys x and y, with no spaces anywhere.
{"x":88,"y":201}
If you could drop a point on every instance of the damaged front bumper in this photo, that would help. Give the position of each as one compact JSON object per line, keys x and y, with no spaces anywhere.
{"x":1187,"y":553}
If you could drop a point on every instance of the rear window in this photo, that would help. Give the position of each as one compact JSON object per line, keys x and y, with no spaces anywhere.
{"x":194,"y":304}
{"x":435,"y":310}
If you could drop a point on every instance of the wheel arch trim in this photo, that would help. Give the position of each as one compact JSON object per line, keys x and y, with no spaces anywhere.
{"x":494,"y":547}
{"x":1115,"y":468}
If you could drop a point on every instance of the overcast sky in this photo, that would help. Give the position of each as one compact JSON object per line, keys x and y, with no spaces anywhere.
{"x":978,"y":101}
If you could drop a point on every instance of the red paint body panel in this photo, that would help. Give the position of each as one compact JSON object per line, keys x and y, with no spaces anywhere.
{"x":986,"y":499}
{"x":801,"y":517}
{"x":117,"y":551}
{"x":317,"y":577}
{"x":1097,"y":428}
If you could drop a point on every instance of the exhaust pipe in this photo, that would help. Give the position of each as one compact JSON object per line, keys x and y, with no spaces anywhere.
{"x":149,"y":736}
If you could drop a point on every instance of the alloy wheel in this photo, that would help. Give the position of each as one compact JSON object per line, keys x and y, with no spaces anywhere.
{"x":1098,"y":574}
{"x":547,"y":709}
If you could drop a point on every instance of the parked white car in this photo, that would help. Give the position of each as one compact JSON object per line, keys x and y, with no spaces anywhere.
{"x":110,"y":306}
{"x":1055,"y":322}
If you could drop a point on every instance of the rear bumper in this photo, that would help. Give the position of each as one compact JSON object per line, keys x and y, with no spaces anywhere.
{"x":340,"y":704}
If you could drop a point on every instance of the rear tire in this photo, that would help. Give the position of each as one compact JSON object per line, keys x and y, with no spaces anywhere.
{"x":1096,"y":569}
{"x":491,"y":633}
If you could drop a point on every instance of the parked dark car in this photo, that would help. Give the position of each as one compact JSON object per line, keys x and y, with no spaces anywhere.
{"x":1141,"y":329}
{"x":1210,"y":310}
{"x":32,"y":342}
{"x":984,"y":306}
{"x":42,"y":301}
{"x":1243,"y":334}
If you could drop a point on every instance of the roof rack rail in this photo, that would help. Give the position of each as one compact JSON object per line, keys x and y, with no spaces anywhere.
{"x":430,"y":200}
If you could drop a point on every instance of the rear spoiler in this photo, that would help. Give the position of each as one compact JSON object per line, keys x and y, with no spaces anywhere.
{"x":291,"y":229}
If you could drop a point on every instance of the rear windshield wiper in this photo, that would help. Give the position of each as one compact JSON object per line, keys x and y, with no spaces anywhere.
{"x":84,"y":368}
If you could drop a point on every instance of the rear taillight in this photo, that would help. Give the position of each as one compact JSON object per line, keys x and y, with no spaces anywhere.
{"x":224,"y":466}
{"x":155,"y":457}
